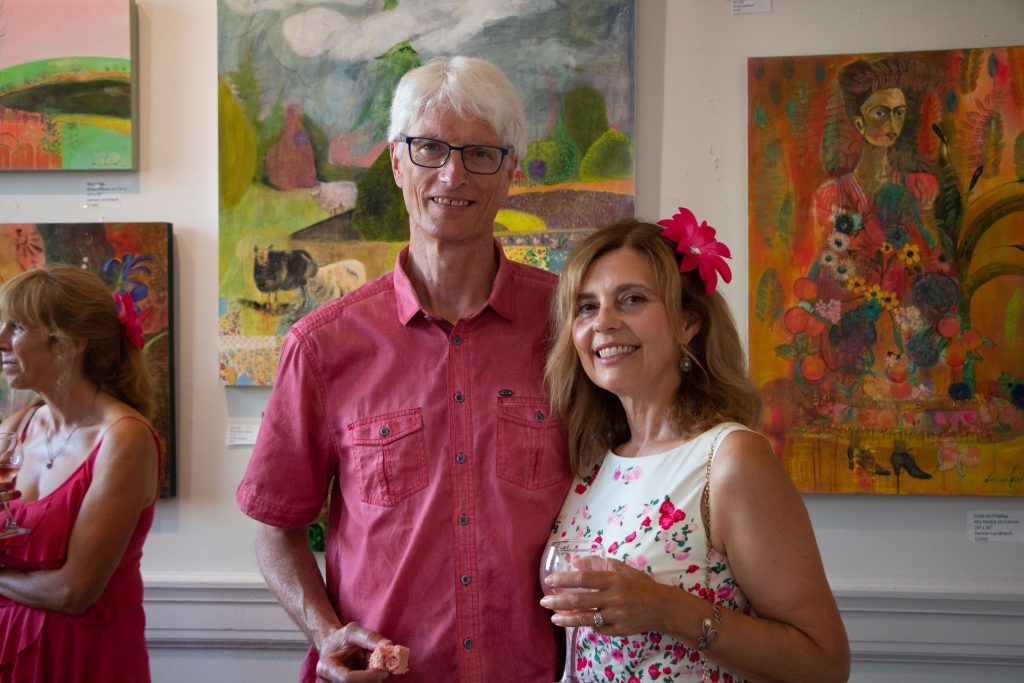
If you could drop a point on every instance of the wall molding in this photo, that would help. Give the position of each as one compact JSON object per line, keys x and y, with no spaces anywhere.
{"x":904,"y":623}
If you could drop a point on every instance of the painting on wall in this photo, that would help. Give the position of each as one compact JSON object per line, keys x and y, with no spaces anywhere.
{"x":132,"y":258}
{"x":886,"y":232}
{"x":308,"y":207}
{"x":68,"y":97}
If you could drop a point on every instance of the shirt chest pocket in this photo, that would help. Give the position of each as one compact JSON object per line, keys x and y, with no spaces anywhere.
{"x":390,"y":456}
{"x":531,"y":447}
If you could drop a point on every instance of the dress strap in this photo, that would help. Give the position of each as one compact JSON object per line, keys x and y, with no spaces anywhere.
{"x":26,"y":422}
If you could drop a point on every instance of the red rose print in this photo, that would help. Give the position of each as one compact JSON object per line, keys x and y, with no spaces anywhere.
{"x":632,"y":535}
{"x":580,"y":488}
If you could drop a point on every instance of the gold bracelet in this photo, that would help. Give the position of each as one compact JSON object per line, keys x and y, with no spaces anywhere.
{"x":707,"y":629}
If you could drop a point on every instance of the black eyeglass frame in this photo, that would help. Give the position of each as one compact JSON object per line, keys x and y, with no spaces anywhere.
{"x":408,"y":139}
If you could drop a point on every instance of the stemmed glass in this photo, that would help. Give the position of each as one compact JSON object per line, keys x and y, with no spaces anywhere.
{"x":561,"y":556}
{"x":10,"y":464}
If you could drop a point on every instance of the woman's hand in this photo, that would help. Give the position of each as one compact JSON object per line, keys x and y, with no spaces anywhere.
{"x":628,"y":600}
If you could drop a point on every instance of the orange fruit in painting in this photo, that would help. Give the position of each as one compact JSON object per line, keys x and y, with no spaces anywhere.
{"x":900,"y":390}
{"x":956,"y":354}
{"x":805,"y":289}
{"x":795,"y":319}
{"x":949,"y":326}
{"x":898,"y":372}
{"x":814,"y":326}
{"x":812,"y":369}
{"x":971,"y":339}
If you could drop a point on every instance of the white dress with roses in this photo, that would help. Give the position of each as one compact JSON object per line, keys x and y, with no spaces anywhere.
{"x":645,"y":511}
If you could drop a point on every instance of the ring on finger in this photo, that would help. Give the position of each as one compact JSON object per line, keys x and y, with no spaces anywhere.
{"x":598,"y":619}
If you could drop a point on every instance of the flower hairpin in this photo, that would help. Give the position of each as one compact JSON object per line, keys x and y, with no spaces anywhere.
{"x":699,"y":248}
{"x":129,"y":318}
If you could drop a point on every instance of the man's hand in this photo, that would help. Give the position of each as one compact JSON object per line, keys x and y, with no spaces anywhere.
{"x":344,"y":653}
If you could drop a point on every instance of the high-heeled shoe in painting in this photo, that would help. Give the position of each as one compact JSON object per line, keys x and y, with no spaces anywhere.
{"x":901,"y":459}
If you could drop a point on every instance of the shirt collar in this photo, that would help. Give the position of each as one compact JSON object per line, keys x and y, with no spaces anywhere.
{"x":500,"y":300}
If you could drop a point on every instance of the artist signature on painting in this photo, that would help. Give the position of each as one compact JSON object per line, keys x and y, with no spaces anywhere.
{"x":1011,"y":480}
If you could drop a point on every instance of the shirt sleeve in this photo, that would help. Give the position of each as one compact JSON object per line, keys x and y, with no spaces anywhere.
{"x":286,"y":482}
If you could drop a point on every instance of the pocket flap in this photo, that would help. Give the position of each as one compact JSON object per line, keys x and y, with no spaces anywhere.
{"x":383,"y":429}
{"x":529,"y":412}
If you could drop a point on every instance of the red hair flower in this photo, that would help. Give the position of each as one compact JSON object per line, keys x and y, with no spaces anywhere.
{"x":699,"y":248}
{"x":129,"y":318}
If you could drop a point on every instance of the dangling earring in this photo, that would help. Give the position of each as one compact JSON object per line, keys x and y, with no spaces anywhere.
{"x":685,"y":365}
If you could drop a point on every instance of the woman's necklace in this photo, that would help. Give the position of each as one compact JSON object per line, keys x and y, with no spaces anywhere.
{"x":51,"y":456}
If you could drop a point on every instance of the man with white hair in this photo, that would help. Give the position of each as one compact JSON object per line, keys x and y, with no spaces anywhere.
{"x":416,"y":406}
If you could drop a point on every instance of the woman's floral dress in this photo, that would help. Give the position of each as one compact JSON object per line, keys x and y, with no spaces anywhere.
{"x":645,"y":511}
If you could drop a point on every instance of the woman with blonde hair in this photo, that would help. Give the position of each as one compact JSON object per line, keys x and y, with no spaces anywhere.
{"x":70,"y":586}
{"x":702,"y":524}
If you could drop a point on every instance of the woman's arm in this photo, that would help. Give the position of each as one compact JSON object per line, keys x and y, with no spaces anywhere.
{"x":124,"y":483}
{"x":760,"y":522}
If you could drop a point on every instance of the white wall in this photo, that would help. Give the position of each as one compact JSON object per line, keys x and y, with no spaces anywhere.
{"x":920,"y":600}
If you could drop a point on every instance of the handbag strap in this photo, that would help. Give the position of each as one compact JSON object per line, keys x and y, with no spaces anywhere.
{"x":705,"y":514}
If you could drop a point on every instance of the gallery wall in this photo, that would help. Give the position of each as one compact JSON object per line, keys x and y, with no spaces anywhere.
{"x":920,"y":599}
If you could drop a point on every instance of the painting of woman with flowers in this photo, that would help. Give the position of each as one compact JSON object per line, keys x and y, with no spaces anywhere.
{"x":887,"y":262}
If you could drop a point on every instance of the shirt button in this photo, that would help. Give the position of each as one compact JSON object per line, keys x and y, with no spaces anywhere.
{"x":385,"y":430}
{"x":463,"y":520}
{"x":460,"y":458}
{"x":459,"y":398}
{"x":465,"y":580}
{"x":467,"y":643}
{"x":457,"y":340}
{"x":539,"y":416}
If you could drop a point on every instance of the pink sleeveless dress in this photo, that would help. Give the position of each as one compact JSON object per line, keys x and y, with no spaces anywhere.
{"x":105,"y":644}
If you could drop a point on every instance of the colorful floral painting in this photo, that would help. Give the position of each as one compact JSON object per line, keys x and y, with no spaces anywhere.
{"x":308,"y":206}
{"x":886,"y":218}
{"x":67,"y":94}
{"x":134,"y":259}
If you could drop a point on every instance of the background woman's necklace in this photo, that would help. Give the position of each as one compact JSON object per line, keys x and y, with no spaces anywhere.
{"x":50,"y":455}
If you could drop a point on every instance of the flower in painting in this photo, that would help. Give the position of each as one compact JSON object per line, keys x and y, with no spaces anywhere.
{"x":831,"y":310}
{"x":844,"y":224}
{"x":856,"y":284}
{"x":911,"y":254}
{"x":889,"y":300}
{"x":959,"y":391}
{"x":1017,"y":395}
{"x":896,"y":235}
{"x":829,"y":259}
{"x":844,"y":269}
{"x":887,"y":248}
{"x":838,"y":241}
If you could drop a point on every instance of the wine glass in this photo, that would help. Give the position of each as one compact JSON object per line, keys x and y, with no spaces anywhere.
{"x":10,"y":463}
{"x":561,"y":556}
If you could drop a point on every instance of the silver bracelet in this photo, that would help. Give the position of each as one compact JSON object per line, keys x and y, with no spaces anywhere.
{"x":707,"y":629}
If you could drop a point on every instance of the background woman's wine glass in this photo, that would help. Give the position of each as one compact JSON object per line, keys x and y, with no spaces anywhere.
{"x":561,"y":556}
{"x":10,"y":463}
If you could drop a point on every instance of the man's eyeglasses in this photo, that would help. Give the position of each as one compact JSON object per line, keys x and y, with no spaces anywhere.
{"x":431,"y":153}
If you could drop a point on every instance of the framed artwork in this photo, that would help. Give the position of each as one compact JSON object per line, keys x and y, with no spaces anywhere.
{"x":68,"y":92}
{"x":133,"y":258}
{"x":886,"y":219}
{"x":308,"y":206}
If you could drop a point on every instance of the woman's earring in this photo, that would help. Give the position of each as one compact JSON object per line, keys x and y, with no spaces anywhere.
{"x":685,"y":365}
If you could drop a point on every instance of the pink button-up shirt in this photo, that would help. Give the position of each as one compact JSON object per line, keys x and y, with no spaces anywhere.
{"x":444,"y":466}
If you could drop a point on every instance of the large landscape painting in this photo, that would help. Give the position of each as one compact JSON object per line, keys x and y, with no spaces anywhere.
{"x":887,"y":268}
{"x":308,"y":207}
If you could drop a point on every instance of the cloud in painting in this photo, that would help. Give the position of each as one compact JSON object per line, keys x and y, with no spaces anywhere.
{"x":431,"y":28}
